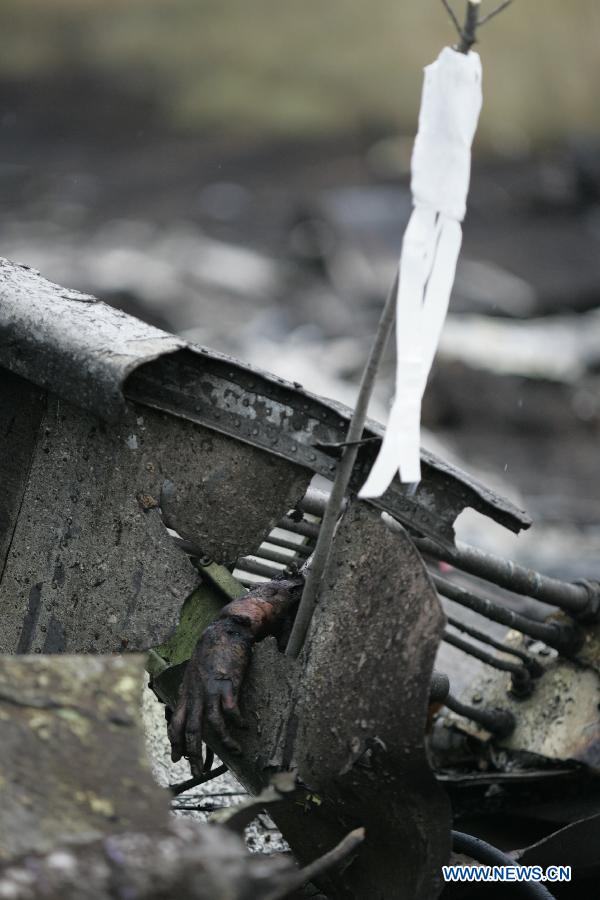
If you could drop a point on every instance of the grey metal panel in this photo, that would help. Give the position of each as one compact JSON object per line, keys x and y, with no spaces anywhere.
{"x":71,"y":343}
{"x":362,"y":709}
{"x":91,"y":565}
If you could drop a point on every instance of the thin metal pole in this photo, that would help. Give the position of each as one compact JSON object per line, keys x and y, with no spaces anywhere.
{"x":469,"y":31}
{"x":318,"y":568}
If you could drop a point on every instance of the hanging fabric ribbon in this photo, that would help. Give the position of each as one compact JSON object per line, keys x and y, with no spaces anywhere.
{"x":441,"y":167}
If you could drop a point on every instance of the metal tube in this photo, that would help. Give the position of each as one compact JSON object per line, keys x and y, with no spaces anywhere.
{"x":307,"y":529}
{"x":315,"y":501}
{"x":500,"y":722}
{"x":567,"y":639}
{"x":301,"y":549}
{"x":285,"y":559}
{"x":521,"y":679}
{"x":254,"y":567}
{"x":573,"y":598}
{"x":439,"y":687}
{"x":248,"y":582}
{"x":483,"y":852}
{"x":532,"y":665}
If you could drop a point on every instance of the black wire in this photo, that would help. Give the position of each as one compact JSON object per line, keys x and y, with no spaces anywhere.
{"x":487,"y":853}
{"x":183,"y":786}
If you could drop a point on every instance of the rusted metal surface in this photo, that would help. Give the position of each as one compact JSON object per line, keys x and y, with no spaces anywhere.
{"x":91,"y":566}
{"x":92,"y":355}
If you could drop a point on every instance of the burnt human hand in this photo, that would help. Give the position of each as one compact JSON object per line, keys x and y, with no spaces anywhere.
{"x":210,"y":690}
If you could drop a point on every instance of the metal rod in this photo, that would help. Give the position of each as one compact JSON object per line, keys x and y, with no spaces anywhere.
{"x":302,"y":549}
{"x":285,"y":559}
{"x":500,"y":722}
{"x":532,"y":665}
{"x":306,"y":529}
{"x":255,"y":567}
{"x":573,"y":598}
{"x":439,"y":687}
{"x":183,"y":786}
{"x":315,"y":501}
{"x":317,"y":571}
{"x":565,"y":638}
{"x":494,"y":13}
{"x":522,"y":684}
{"x":469,"y":31}
{"x":248,"y":582}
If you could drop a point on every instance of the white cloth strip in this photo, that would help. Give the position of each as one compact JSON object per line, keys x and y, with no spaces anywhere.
{"x":440,"y":180}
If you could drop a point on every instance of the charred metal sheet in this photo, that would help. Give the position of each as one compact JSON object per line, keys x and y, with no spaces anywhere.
{"x":91,"y":565}
{"x":363,"y":705}
{"x":222,"y":495}
{"x":71,"y":343}
{"x":84,"y":352}
{"x":265,"y":411}
{"x":560,"y":721}
{"x":73,"y":765}
{"x":22,"y":406}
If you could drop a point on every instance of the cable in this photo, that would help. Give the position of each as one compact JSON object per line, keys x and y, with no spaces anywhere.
{"x":183,"y":786}
{"x":486,"y":853}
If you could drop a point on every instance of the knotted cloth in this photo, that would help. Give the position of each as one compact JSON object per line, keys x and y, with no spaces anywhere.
{"x":440,"y":169}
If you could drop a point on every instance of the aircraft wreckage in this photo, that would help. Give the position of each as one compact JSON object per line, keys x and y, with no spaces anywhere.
{"x":149,"y":483}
